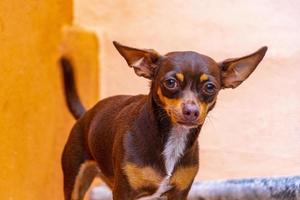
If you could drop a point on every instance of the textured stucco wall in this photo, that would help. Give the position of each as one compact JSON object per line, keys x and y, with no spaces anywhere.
{"x":34,"y":120}
{"x":255,"y":129}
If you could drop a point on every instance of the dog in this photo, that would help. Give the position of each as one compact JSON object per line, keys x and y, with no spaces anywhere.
{"x":145,"y":147}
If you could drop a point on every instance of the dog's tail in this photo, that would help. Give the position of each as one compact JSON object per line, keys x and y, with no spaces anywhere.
{"x":73,"y":101}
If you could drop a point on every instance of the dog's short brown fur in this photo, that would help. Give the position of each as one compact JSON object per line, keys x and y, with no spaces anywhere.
{"x":145,"y":146}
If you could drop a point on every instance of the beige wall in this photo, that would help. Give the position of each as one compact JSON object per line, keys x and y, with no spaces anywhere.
{"x":255,"y":129}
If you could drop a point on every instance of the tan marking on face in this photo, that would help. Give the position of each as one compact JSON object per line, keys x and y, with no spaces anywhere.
{"x":204,"y":109}
{"x":184,"y":176}
{"x":169,"y":104}
{"x":139,"y":177}
{"x":203,"y":77}
{"x":180,"y":76}
{"x":203,"y":112}
{"x":167,"y":101}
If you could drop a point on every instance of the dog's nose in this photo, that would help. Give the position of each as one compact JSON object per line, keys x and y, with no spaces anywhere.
{"x":190,"y":112}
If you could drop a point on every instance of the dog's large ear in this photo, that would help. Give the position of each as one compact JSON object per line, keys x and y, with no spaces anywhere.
{"x":142,"y":60}
{"x":236,"y":70}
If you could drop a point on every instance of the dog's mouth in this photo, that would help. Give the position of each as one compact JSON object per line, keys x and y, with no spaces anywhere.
{"x":177,"y":119}
{"x":188,"y":123}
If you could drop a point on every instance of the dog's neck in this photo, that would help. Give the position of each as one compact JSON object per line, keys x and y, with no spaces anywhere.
{"x":177,"y":140}
{"x":159,"y":118}
{"x":157,"y":138}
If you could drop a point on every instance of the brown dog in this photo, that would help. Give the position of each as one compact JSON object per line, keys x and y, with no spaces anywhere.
{"x":145,"y":146}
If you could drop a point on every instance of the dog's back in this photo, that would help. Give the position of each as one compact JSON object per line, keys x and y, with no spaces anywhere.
{"x":104,"y":122}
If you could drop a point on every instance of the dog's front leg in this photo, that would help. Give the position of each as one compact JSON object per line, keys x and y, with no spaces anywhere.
{"x":176,"y":194}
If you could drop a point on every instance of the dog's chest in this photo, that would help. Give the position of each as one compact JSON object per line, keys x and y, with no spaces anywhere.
{"x":174,"y":147}
{"x":173,"y":150}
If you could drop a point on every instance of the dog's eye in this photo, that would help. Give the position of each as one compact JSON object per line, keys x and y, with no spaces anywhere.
{"x":171,"y":83}
{"x":209,"y":88}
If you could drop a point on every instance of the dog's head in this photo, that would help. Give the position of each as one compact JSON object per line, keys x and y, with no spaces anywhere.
{"x":186,"y":84}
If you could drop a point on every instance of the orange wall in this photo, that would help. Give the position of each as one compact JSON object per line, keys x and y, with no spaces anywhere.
{"x":254,"y":129}
{"x":34,"y":121}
